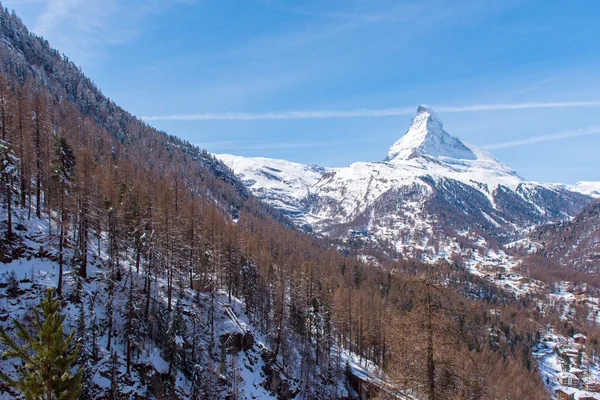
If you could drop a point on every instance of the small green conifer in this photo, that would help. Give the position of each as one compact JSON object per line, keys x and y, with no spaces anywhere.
{"x":47,"y":358}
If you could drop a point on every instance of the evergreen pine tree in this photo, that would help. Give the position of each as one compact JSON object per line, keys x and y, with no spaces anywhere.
{"x":47,"y":356}
{"x":63,"y":165}
{"x":176,"y":333}
{"x":12,"y":288}
{"x":8,"y":174}
{"x":85,"y":356}
{"x":114,"y":392}
{"x":250,"y":278}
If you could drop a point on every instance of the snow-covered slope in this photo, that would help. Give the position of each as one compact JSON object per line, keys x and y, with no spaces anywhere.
{"x":575,"y":242}
{"x":427,"y":147}
{"x":426,"y":136}
{"x":588,"y":188}
{"x":231,"y":348}
{"x":283,"y":184}
{"x":430,"y":185}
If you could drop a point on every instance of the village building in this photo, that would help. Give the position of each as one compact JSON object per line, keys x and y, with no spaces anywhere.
{"x":578,"y":372}
{"x":586,"y":396}
{"x":579,"y":338}
{"x":565,"y":393}
{"x":567,"y":379}
{"x":591,"y":384}
{"x":580,"y":298}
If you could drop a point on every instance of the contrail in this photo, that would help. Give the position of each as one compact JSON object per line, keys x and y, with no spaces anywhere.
{"x":518,"y":106}
{"x":386,"y":112}
{"x":363,"y":112}
{"x":592,"y":130}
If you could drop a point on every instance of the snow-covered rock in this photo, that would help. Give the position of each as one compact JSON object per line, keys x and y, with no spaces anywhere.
{"x":426,"y":136}
{"x":588,"y":188}
{"x":430,"y":185}
{"x":283,"y":184}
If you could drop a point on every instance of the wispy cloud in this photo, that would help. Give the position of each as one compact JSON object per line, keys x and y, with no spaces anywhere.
{"x":592,"y":130}
{"x":518,"y":106}
{"x":14,"y":2}
{"x":79,"y":28}
{"x":83,"y":28}
{"x":250,"y":145}
{"x":282,"y":115}
{"x":53,"y":14}
{"x":363,"y":112}
{"x":216,"y":145}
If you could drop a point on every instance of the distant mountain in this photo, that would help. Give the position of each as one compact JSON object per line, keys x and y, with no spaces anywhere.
{"x":589,"y":188}
{"x":283,"y":184}
{"x":178,"y":284}
{"x":575,"y":243}
{"x":426,"y":137}
{"x":431,"y":188}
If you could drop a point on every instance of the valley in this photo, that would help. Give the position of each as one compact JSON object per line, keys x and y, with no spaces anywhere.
{"x":136,"y":265}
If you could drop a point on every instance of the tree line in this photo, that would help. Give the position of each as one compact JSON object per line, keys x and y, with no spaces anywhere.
{"x":163,"y":210}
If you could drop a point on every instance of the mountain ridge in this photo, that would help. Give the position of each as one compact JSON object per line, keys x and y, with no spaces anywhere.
{"x":426,"y":137}
{"x":574,"y":242}
{"x":177,"y":285}
{"x":429,"y":183}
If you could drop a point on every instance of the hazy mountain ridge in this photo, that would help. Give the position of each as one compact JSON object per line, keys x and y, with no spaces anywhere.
{"x":429,"y":182}
{"x":574,"y":243}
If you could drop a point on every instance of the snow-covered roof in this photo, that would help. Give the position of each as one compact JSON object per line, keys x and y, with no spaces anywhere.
{"x":589,"y":188}
{"x":565,"y":375}
{"x":567,"y":390}
{"x":586,"y":395}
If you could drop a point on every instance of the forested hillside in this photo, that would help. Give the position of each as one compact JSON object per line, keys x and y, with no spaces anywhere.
{"x":180,"y":284}
{"x":575,"y":243}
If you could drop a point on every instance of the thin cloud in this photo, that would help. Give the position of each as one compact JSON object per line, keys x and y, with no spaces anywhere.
{"x":84,"y":29}
{"x":55,"y":12}
{"x":518,"y":106}
{"x":282,"y":115}
{"x":247,"y":145}
{"x":215,"y":145}
{"x":10,"y":3}
{"x":592,"y":130}
{"x":362,"y":112}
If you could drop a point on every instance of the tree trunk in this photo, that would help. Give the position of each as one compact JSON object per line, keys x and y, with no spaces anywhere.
{"x":60,"y":243}
{"x":130,"y":317}
{"x":9,"y":233}
{"x":430,"y":360}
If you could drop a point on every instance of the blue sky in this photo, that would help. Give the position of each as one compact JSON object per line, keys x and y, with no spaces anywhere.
{"x":518,"y":77}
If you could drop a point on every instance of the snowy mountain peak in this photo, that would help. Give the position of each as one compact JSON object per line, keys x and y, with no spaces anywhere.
{"x":426,"y":137}
{"x":425,"y":113}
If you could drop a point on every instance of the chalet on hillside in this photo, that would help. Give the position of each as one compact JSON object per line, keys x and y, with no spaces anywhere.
{"x":580,"y":298}
{"x":587,"y":397}
{"x":591,"y":384}
{"x":578,"y":372}
{"x":565,"y":393}
{"x":567,"y":379}
{"x":579,"y":338}
{"x":571,"y":352}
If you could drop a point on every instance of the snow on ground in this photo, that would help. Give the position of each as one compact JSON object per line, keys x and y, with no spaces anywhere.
{"x":283,"y":184}
{"x":589,"y":188}
{"x":38,"y":270}
{"x":551,"y":365}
